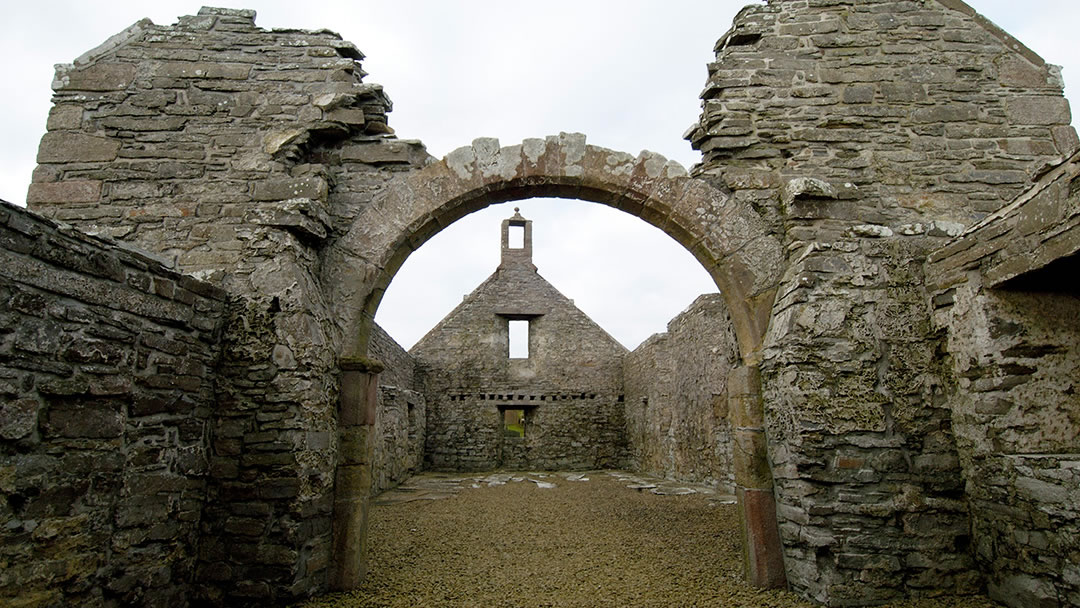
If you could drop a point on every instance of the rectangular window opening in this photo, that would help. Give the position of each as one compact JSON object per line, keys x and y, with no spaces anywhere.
{"x":513,"y":423}
{"x":519,"y":339}
{"x":516,"y":237}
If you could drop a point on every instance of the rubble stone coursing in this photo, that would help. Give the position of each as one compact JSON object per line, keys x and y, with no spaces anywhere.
{"x":1018,"y":433}
{"x":676,"y":397}
{"x":106,"y":390}
{"x":909,"y":369}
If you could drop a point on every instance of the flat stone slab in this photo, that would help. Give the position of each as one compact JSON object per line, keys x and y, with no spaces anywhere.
{"x":437,"y":486}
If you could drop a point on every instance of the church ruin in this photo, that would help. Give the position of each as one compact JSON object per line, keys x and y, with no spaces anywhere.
{"x":191,"y":377}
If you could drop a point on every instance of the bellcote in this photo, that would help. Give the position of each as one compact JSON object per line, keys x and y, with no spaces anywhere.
{"x":517,"y":242}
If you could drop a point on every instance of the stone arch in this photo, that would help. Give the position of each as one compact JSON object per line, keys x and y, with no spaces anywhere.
{"x":726,"y":236}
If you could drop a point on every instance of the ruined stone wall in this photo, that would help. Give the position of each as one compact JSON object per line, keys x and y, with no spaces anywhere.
{"x":868,"y":484}
{"x":401,"y":417}
{"x":1006,"y":293}
{"x":564,"y":431}
{"x":929,"y":111}
{"x":1016,"y":355}
{"x":106,"y":393}
{"x":237,"y":153}
{"x":867,"y":133}
{"x":676,"y":397}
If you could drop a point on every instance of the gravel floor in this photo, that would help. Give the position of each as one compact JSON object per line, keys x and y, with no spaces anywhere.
{"x":579,"y":543}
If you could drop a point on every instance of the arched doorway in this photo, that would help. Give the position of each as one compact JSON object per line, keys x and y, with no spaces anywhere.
{"x":727,"y":237}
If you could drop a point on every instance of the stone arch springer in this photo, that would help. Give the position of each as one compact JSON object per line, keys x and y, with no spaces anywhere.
{"x":725,"y":235}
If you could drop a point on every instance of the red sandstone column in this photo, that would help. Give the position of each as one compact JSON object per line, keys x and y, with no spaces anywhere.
{"x":763,"y":556}
{"x":352,"y":482}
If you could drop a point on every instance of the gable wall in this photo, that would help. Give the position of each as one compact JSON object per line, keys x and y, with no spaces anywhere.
{"x":571,"y":383}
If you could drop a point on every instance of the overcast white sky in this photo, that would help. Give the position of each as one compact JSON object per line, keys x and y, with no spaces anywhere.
{"x":626,"y":73}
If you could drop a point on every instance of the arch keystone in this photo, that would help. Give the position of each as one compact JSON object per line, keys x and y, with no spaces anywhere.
{"x":572,"y":149}
{"x":462,"y":162}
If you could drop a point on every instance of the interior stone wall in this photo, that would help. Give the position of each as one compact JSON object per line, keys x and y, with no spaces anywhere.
{"x":1016,"y":356}
{"x":868,"y":483}
{"x":676,"y":397}
{"x":1006,"y":294}
{"x":106,"y":394}
{"x":401,"y":416}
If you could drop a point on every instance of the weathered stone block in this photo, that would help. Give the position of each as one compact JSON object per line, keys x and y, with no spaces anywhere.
{"x":1024,"y":591}
{"x":64,"y":147}
{"x":348,"y":116}
{"x":95,"y":422}
{"x":18,"y":418}
{"x":382,"y":151}
{"x":956,"y":112}
{"x":1014,"y":71}
{"x":155,"y":123}
{"x":72,"y":191}
{"x":285,"y":189}
{"x":899,"y":92}
{"x":863,"y":93}
{"x":1043,"y":110}
{"x":1042,"y":492}
{"x":95,"y":77}
{"x":65,"y":117}
{"x":205,"y":70}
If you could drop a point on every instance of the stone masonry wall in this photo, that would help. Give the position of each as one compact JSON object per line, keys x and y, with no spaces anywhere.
{"x":401,"y":417}
{"x":106,"y":393}
{"x":237,"y":153}
{"x":868,"y":483}
{"x":564,"y":431}
{"x":1016,"y":355}
{"x":676,"y":397}
{"x":1006,"y":293}
{"x":932,"y":113}
{"x":570,"y":385}
{"x":867,"y":133}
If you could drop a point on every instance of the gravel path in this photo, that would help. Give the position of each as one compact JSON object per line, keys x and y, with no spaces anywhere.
{"x":494,"y":541}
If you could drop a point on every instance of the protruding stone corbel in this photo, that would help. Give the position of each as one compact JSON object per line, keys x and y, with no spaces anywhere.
{"x":809,"y":197}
